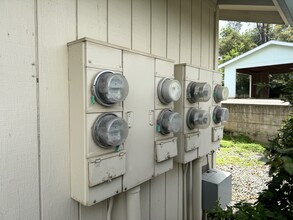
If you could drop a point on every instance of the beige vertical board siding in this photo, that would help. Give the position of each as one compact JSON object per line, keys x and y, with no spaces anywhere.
{"x":185,"y":32}
{"x":205,"y":35}
{"x":173,"y":30}
{"x":119,"y":22}
{"x":56,"y":27}
{"x":212,"y":38}
{"x":119,"y":207}
{"x":216,"y":40}
{"x":141,"y":25}
{"x":196,"y":32}
{"x":145,"y":200}
{"x":172,"y":188}
{"x":19,"y":184}
{"x":180,"y":192}
{"x":158,"y":198}
{"x":95,"y":212}
{"x":159,"y":27}
{"x":92,"y":19}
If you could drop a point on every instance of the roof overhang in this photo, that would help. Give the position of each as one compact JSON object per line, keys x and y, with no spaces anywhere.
{"x":262,"y":11}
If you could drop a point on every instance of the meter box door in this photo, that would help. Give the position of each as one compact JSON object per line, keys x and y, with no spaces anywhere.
{"x":97,"y":127}
{"x":139,"y":113}
{"x":194,"y":105}
{"x":167,"y":121}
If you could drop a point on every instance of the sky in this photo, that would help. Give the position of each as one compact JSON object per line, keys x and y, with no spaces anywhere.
{"x":245,"y":25}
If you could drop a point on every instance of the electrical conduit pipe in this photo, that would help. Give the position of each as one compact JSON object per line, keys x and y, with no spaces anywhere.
{"x":133,"y":204}
{"x":196,"y":188}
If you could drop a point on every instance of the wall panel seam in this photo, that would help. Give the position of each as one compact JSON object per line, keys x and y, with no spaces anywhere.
{"x":38,"y":104}
{"x":180,"y":31}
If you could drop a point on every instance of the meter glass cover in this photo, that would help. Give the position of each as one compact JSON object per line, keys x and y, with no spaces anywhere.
{"x":169,"y":122}
{"x":110,"y":88}
{"x":169,"y":90}
{"x":198,"y":92}
{"x":220,"y":115}
{"x":109,"y":131}
{"x":197,"y":118}
{"x":221,"y":93}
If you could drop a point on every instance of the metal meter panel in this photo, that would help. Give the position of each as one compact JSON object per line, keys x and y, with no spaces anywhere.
{"x":103,"y":56}
{"x":164,"y":68}
{"x":139,"y":108}
{"x":219,"y":114}
{"x":188,"y":139}
{"x":167,"y":122}
{"x":106,"y":168}
{"x":88,"y":184}
{"x":206,"y":75}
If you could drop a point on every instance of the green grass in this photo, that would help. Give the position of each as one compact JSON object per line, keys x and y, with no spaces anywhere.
{"x":239,"y":150}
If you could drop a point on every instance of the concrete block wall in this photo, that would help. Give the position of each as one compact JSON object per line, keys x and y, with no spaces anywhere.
{"x":258,"y":119}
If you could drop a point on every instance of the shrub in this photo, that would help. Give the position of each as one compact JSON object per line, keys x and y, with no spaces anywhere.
{"x":275,"y":202}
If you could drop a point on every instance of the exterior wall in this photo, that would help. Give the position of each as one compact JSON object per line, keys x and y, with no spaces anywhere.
{"x":264,"y":57}
{"x":259,"y":121}
{"x":34,"y":123}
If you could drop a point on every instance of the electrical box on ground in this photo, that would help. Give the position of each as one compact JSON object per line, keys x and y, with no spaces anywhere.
{"x":122,"y":118}
{"x":216,"y":187}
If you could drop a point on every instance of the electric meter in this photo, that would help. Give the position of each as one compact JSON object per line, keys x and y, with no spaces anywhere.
{"x":169,"y":90}
{"x":109,"y":130}
{"x":198,"y":92}
{"x":110,"y":88}
{"x":220,"y":93}
{"x":197,"y":118}
{"x":220,"y":114}
{"x":168,"y":122}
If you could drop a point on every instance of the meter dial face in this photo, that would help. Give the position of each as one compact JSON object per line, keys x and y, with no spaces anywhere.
{"x":220,"y":93}
{"x":197,"y":118}
{"x":198,"y":92}
{"x":220,"y":115}
{"x":169,"y":122}
{"x":109,"y":130}
{"x":110,"y":88}
{"x":169,"y":90}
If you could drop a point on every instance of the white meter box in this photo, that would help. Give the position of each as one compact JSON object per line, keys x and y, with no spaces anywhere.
{"x":113,"y":119}
{"x":194,"y":119}
{"x":97,"y":127}
{"x":167,"y":121}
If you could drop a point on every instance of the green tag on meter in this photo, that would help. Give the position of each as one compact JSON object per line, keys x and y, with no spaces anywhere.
{"x":158,"y":128}
{"x":93,"y":100}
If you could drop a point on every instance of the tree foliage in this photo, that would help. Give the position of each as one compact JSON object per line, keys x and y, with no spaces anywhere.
{"x":233,"y":43}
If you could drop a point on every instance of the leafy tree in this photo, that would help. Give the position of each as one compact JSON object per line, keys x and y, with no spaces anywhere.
{"x":282,"y":33}
{"x":233,"y":43}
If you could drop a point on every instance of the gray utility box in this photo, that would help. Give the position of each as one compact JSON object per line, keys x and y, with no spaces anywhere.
{"x":216,"y":186}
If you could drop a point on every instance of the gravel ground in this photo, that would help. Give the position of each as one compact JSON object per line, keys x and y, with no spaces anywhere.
{"x":247,"y":181}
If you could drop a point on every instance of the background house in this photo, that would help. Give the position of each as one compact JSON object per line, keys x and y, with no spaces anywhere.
{"x":273,"y":57}
{"x":34,"y":112}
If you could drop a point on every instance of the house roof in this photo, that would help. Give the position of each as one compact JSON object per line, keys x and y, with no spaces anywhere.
{"x":263,"y":11}
{"x":273,"y":42}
